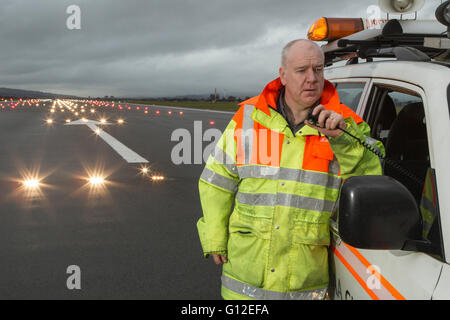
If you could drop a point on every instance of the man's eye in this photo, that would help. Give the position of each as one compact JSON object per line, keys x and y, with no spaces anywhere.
{"x":300,"y":70}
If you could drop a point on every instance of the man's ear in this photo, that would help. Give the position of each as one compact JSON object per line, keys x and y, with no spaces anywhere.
{"x":282,"y":73}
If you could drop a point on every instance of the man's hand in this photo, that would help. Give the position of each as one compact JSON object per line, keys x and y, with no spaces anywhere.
{"x":329,"y":121}
{"x":219,"y":259}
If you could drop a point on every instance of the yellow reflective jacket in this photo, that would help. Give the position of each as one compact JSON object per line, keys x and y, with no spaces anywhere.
{"x":283,"y":187}
{"x":428,"y":204}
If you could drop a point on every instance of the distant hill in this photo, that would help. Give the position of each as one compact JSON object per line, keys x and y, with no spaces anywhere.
{"x":19,"y":93}
{"x":188,"y":97}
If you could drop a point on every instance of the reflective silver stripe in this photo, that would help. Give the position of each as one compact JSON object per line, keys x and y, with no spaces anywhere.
{"x":247,"y":133}
{"x":262,"y":294}
{"x":219,"y":180}
{"x":299,"y":175}
{"x":284,"y":199}
{"x":333,"y":167}
{"x":224,"y":159}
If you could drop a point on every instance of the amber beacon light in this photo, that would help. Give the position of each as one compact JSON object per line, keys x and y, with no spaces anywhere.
{"x":326,"y":29}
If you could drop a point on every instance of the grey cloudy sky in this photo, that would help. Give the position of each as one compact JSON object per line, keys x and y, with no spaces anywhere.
{"x":156,"y":47}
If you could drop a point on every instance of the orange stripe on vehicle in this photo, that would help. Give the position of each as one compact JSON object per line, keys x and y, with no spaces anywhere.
{"x":382,"y":279}
{"x":354,"y":274}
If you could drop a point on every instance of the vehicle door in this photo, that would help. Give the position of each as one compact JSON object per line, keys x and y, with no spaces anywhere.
{"x":395,"y":112}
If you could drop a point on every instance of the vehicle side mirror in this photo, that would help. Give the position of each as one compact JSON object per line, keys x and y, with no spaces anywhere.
{"x":378,"y":212}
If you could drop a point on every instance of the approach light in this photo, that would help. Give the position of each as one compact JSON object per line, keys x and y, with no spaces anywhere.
{"x":96,"y":181}
{"x":31,"y":183}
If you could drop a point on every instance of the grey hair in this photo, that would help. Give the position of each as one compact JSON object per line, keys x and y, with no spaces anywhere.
{"x":287,"y":47}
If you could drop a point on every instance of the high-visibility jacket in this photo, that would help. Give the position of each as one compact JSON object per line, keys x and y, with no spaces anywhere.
{"x":283,"y":188}
{"x":428,"y":206}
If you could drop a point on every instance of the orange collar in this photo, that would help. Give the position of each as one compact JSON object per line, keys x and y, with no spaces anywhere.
{"x":269,"y":96}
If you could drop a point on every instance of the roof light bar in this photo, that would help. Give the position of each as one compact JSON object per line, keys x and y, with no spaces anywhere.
{"x":326,"y":29}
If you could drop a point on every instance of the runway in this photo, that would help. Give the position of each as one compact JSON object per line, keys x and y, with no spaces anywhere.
{"x":133,"y":234}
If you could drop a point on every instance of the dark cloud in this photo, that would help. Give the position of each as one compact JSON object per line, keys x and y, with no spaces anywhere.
{"x":157,"y":47}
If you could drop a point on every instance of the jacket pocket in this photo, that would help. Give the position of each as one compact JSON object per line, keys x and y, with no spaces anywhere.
{"x":247,"y":248}
{"x":308,"y":258}
{"x":317,"y":155}
{"x":312,"y":233}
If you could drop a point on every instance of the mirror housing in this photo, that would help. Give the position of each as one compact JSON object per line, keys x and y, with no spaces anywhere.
{"x":378,"y":212}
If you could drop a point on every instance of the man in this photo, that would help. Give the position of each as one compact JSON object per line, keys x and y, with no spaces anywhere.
{"x":283,"y":176}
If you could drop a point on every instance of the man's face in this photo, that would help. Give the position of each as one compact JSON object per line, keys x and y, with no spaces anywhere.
{"x":302,"y":75}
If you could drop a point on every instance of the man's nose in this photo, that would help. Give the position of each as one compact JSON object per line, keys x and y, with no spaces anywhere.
{"x":311,"y":76}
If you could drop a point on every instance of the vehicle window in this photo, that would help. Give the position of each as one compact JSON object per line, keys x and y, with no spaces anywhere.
{"x":402,"y":99}
{"x":350,"y":93}
{"x":398,"y":120}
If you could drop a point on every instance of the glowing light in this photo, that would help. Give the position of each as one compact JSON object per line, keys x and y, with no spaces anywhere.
{"x":157,"y":178}
{"x":49,"y":121}
{"x":103,"y":120}
{"x":67,"y":120}
{"x":31,"y":183}
{"x":211,"y":122}
{"x":96,"y":180}
{"x":120,"y":121}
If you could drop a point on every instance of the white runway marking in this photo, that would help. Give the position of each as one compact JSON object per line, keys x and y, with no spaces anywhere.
{"x":129,"y":155}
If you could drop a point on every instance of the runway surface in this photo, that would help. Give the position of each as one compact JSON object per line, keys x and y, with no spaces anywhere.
{"x":134,"y":236}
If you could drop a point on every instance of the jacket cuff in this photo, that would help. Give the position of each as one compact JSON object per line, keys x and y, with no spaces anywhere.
{"x":344,"y":139}
{"x":221,"y":252}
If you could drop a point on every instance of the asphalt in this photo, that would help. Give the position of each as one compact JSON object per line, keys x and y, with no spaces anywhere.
{"x":132,"y":238}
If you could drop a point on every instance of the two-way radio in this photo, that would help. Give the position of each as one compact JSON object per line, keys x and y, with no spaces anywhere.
{"x":314,"y":120}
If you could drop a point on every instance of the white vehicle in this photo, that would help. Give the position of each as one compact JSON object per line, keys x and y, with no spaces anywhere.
{"x":383,"y":247}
